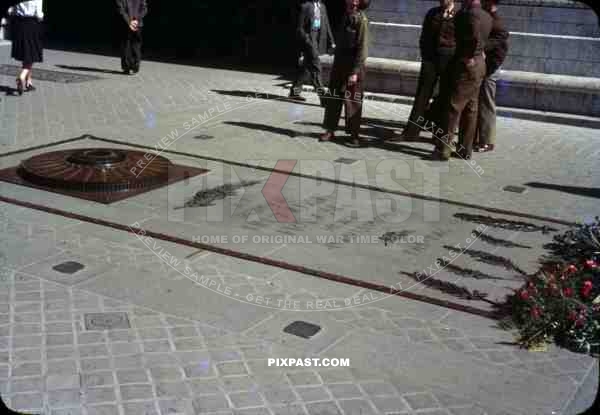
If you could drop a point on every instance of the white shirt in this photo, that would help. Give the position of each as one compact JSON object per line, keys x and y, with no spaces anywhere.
{"x":31,"y":8}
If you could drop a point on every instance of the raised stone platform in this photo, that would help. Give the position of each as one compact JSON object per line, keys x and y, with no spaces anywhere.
{"x":5,"y":46}
{"x":529,"y":90}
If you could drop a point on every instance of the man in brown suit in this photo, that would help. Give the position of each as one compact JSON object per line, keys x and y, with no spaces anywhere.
{"x":472,"y":27}
{"x":495,"y":52}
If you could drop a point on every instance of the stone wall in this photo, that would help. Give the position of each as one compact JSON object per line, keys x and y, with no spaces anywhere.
{"x":548,"y":36}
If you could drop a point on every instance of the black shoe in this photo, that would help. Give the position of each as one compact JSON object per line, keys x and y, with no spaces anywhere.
{"x":20,"y":87}
{"x":439,"y":156}
{"x":126,"y":72}
{"x":30,"y":88}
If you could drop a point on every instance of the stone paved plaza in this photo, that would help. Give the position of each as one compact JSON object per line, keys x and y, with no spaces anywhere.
{"x":97,"y":318}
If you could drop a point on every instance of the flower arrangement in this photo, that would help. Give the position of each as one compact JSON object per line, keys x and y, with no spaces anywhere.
{"x":561,"y":302}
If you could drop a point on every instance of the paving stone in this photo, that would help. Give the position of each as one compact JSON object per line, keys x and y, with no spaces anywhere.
{"x":231,"y":368}
{"x":313,"y":393}
{"x":134,"y":392}
{"x":238,"y":383}
{"x":166,"y":373}
{"x":100,"y":395}
{"x":225,"y":355}
{"x":323,"y":408}
{"x":210,"y":403}
{"x":64,"y":398}
{"x":172,"y":390}
{"x":378,"y":388}
{"x":203,"y":387}
{"x":245,"y":399}
{"x":356,"y":407}
{"x":344,"y":391}
{"x":390,"y":404}
{"x":421,"y":401}
{"x":336,"y":375}
{"x":157,"y":346}
{"x":185,"y":331}
{"x":125,"y":348}
{"x":28,"y":342}
{"x":90,"y":380}
{"x":132,"y":376}
{"x":27,"y":355}
{"x":103,"y":410}
{"x":140,"y":408}
{"x":155,"y":333}
{"x":281,"y":395}
{"x":295,"y":409}
{"x":22,"y":401}
{"x":304,"y":378}
{"x":67,"y":411}
{"x":199,"y":370}
{"x":90,"y":338}
{"x":62,"y":367}
{"x":251,"y":411}
{"x":59,"y":340}
{"x":57,"y":382}
{"x":26,"y":369}
{"x":128,"y":362}
{"x":121,"y":335}
{"x":160,"y":359}
{"x":93,"y":365}
{"x":26,"y":385}
{"x":195,"y":343}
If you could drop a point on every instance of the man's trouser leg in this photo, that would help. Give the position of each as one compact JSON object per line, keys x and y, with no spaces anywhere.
{"x":335,"y":100}
{"x":464,"y":93}
{"x":136,"y":50}
{"x":487,"y":111}
{"x":469,"y":115}
{"x":353,"y":100}
{"x":126,"y":48}
{"x":427,"y":79}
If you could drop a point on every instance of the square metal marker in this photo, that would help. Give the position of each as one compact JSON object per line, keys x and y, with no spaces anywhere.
{"x":69,"y":267}
{"x":302,"y":329}
{"x":106,"y":321}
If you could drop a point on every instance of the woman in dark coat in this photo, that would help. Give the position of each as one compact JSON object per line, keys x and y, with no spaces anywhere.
{"x":346,"y":82}
{"x":27,"y":46}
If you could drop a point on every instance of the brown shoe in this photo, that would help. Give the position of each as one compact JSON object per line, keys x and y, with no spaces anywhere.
{"x":355,"y":141}
{"x":328,"y":136}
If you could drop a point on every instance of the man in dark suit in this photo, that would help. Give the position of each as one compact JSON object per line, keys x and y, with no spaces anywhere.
{"x":472,"y":28}
{"x":132,"y":13}
{"x":314,"y":37}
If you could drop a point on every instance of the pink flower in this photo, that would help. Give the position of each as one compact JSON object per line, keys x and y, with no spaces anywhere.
{"x":568,"y":292}
{"x":572,"y":315}
{"x":590,"y":264}
{"x":524,"y":295}
{"x":587,"y":288}
{"x":571,"y":268}
{"x":536,"y":313}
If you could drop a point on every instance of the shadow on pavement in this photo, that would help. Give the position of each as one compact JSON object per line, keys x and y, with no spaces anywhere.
{"x":580,"y":191}
{"x":88,"y":69}
{"x":263,"y":95}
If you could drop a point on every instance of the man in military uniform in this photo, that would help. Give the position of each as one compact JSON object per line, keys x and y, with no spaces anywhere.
{"x":495,"y":52}
{"x":472,"y":27}
{"x":437,"y":45}
{"x":314,"y":38}
{"x":347,"y":78}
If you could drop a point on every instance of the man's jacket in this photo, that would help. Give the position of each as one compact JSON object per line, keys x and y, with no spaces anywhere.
{"x":130,"y":9}
{"x":306,"y":18}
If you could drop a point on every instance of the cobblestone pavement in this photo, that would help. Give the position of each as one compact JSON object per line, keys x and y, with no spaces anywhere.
{"x":189,"y":350}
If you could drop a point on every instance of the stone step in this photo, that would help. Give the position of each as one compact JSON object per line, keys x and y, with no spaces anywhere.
{"x":564,"y":55}
{"x":557,"y":17}
{"x":517,"y":89}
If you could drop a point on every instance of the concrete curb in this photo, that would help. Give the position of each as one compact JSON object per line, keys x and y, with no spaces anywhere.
{"x":528,"y":90}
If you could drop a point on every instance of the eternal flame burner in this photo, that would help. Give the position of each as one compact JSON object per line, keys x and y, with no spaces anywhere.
{"x":103,"y":175}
